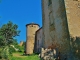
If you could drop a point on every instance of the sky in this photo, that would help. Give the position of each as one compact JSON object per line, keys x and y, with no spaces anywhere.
{"x":21,"y":12}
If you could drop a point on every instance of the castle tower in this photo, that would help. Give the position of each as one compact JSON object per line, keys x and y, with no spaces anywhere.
{"x":30,"y":37}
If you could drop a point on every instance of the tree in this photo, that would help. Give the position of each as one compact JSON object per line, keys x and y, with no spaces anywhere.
{"x":8,"y":32}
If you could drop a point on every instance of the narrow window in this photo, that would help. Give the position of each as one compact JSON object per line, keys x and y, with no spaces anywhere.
{"x":51,"y":18}
{"x":51,"y":22}
{"x":31,"y":25}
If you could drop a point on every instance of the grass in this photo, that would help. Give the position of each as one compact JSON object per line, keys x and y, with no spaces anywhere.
{"x":19,"y":56}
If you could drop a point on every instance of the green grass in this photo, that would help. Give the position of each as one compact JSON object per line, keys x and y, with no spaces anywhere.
{"x":19,"y":56}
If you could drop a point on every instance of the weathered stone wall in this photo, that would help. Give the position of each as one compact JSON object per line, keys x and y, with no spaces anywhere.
{"x":31,"y":29}
{"x":73,"y":16}
{"x":45,"y":23}
{"x":55,"y":27}
{"x":38,"y":41}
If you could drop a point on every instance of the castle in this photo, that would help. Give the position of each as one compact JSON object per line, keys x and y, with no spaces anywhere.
{"x":61,"y":20}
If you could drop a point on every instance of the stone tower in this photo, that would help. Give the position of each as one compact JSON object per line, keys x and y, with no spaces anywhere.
{"x":31,"y":29}
{"x":21,"y":43}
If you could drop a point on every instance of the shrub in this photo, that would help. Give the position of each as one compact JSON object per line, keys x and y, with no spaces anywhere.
{"x":11,"y":50}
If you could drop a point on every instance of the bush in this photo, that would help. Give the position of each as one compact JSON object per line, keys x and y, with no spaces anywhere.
{"x":11,"y":50}
{"x":0,"y":55}
{"x":5,"y":53}
{"x":21,"y":48}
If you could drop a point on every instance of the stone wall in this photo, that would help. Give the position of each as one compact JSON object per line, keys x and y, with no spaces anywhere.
{"x":38,"y":41}
{"x":55,"y":27}
{"x":73,"y":16}
{"x":49,"y":54}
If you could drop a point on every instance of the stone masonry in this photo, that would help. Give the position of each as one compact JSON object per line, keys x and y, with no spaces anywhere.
{"x":31,"y":29}
{"x":73,"y":16}
{"x":55,"y":27}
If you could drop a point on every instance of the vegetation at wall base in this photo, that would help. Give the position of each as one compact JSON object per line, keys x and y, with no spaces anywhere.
{"x":20,"y":56}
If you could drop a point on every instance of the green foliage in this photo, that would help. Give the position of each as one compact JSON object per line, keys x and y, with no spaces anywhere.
{"x":5,"y":52}
{"x":8,"y":32}
{"x":2,"y":41}
{"x":21,"y":48}
{"x":11,"y":50}
{"x":15,"y":42}
{"x":0,"y":53}
{"x":19,"y":56}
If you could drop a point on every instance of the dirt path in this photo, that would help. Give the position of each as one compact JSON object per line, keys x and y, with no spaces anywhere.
{"x":18,"y":55}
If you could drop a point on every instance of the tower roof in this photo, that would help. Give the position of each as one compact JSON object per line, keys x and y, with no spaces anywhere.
{"x":32,"y":24}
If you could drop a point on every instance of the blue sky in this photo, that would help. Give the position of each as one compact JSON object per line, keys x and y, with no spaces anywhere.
{"x":21,"y":12}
